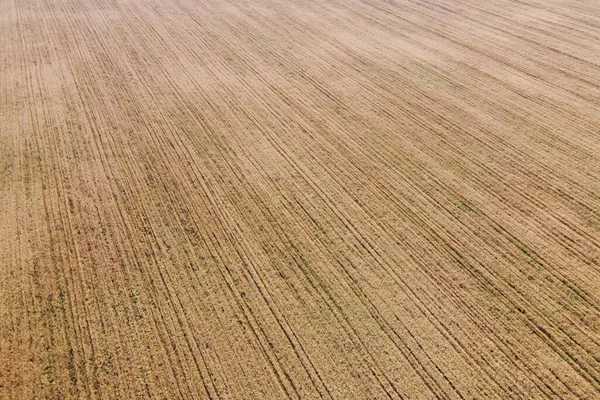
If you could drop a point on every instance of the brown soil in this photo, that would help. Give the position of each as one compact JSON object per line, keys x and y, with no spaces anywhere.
{"x":263,"y":199}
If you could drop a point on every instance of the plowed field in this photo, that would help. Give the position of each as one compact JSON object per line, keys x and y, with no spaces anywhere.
{"x":270,"y":199}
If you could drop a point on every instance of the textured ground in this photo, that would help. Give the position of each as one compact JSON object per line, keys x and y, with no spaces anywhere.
{"x":265,"y":199}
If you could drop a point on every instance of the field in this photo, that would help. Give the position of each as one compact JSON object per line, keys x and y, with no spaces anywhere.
{"x":269,"y":199}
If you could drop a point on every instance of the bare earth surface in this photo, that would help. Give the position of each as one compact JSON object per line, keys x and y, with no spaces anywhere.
{"x":269,"y":199}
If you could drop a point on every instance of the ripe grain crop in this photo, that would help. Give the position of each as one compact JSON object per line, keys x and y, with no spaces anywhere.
{"x":269,"y":199}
